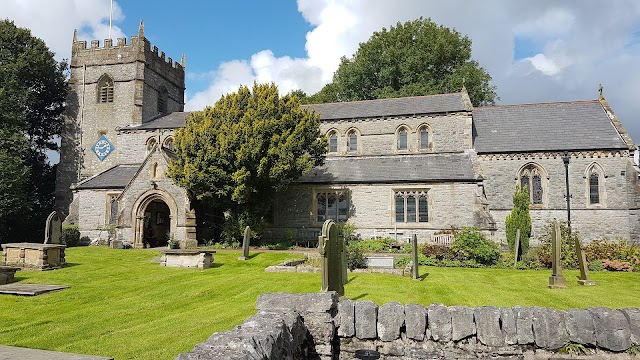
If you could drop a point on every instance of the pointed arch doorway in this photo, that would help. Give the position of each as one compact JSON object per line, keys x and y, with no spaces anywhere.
{"x":155,"y":219}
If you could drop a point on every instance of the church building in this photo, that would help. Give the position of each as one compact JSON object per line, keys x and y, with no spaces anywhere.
{"x":396,"y":167}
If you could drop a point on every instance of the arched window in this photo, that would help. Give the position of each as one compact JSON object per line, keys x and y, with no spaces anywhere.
{"x":168,"y":142}
{"x":352,"y":142}
{"x":105,"y":89}
{"x":403,"y":139}
{"x":333,"y":142}
{"x":151,"y":142}
{"x":595,"y":177}
{"x":411,"y":206}
{"x":162,"y":100}
{"x":594,"y":189}
{"x":424,"y":138}
{"x":332,"y":204}
{"x":531,"y":178}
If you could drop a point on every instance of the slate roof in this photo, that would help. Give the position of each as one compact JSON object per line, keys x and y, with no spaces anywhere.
{"x":387,"y":107}
{"x":579,"y":125}
{"x":392,"y":169}
{"x":173,"y":120}
{"x":116,"y":177}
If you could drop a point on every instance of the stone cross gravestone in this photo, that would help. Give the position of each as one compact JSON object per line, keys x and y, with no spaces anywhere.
{"x":330,"y":249}
{"x":53,"y":229}
{"x":582,"y":262}
{"x":414,"y":252}
{"x":556,"y":281}
{"x":245,"y":244}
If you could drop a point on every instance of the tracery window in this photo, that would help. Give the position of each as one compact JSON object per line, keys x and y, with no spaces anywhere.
{"x":333,"y":142}
{"x":411,"y":206}
{"x":531,"y":178}
{"x":105,"y":89}
{"x":403,"y":139}
{"x":332,"y":204}
{"x":352,"y":141}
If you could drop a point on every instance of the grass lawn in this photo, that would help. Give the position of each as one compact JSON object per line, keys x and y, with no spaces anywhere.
{"x":123,"y":305}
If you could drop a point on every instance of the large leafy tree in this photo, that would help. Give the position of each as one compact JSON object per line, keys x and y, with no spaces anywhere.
{"x":415,"y":58}
{"x":236,"y":155}
{"x":32,"y":93}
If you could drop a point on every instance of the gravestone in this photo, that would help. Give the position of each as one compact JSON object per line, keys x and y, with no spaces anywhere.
{"x":582,"y":262}
{"x":345,"y":277}
{"x":414,"y":251}
{"x":330,"y":249}
{"x":245,"y":244}
{"x":516,"y":248}
{"x":556,"y":281}
{"x":53,"y":229}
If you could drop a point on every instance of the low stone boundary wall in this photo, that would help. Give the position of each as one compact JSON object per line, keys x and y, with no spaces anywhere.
{"x":318,"y":326}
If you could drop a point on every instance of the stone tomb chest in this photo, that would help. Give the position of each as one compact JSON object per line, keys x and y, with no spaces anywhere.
{"x":189,"y":258}
{"x":33,"y":255}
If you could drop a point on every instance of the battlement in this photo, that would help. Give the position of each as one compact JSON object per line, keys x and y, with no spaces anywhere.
{"x":138,"y":49}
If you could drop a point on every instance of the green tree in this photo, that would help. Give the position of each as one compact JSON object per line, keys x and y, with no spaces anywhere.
{"x":415,"y":58}
{"x":236,"y":155}
{"x":33,"y":89}
{"x":519,"y":219}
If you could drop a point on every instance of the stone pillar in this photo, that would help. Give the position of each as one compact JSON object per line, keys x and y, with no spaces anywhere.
{"x":556,"y":281}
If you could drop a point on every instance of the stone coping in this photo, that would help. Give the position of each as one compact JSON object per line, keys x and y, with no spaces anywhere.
{"x":186,"y":251}
{"x":13,"y":352}
{"x":26,"y":245}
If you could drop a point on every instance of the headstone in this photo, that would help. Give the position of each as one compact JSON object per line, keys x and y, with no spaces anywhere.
{"x":414,"y":251}
{"x":245,"y":244}
{"x":330,"y":249}
{"x":582,"y":262}
{"x":516,"y":248}
{"x":53,"y":229}
{"x":556,"y":281}
{"x":345,"y":277}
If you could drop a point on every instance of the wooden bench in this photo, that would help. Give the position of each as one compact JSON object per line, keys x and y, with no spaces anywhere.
{"x":442,"y":239}
{"x":189,"y":258}
{"x":7,"y":274}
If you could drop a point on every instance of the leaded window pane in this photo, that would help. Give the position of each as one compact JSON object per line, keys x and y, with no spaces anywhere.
{"x":343,"y":208}
{"x":399,"y":208}
{"x":333,"y":142}
{"x":332,"y":207}
{"x":524,"y":183}
{"x":536,"y":184}
{"x":411,"y":208}
{"x":402,"y":141}
{"x":594,"y":190}
{"x":424,"y":139}
{"x":353,"y":142}
{"x":322,"y":207}
{"x":423,"y":209}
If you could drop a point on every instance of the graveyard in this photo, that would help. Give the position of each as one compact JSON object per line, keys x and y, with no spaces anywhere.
{"x":123,"y":304}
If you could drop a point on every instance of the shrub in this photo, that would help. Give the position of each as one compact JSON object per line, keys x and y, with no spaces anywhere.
{"x":423,"y":260}
{"x":616,"y":265}
{"x":519,"y":219}
{"x":440,"y":252}
{"x":596,"y":265}
{"x":355,"y":256}
{"x":374,"y":245}
{"x":347,"y":231}
{"x":450,"y":263}
{"x":604,"y":249}
{"x":70,"y":235}
{"x":474,"y":246}
{"x":568,"y":250}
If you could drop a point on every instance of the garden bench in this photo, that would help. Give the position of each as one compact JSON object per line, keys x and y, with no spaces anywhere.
{"x":442,"y":239}
{"x":189,"y":258}
{"x":7,"y":274}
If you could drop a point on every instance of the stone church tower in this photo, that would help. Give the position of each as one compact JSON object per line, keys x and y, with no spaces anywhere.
{"x":112,"y":87}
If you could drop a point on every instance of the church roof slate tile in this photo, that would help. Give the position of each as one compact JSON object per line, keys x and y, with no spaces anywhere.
{"x":430,"y":104}
{"x":392,"y":169}
{"x":560,"y":126}
{"x":116,"y":177}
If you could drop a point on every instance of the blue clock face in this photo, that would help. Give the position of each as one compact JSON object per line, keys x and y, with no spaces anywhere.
{"x":102,"y":148}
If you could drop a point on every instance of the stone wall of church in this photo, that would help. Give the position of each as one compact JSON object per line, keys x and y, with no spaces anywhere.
{"x":378,"y":136}
{"x":372,"y":210}
{"x":92,"y":206}
{"x":153,"y":82}
{"x":136,"y":150}
{"x":609,"y":219}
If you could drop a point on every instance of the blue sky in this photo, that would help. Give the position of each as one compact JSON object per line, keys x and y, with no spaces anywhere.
{"x":536,"y":51}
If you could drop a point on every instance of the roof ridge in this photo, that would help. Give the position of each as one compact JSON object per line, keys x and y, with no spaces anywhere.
{"x":536,"y":104}
{"x":392,"y":98}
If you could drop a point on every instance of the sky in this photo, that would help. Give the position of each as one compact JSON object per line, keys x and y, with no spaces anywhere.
{"x":536,"y":51}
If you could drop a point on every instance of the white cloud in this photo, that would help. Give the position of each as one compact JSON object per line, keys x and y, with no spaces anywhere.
{"x":54,"y":21}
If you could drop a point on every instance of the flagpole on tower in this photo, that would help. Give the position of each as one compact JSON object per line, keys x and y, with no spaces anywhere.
{"x":110,"y":17}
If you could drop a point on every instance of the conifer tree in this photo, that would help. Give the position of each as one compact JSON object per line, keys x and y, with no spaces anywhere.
{"x":519,"y":219}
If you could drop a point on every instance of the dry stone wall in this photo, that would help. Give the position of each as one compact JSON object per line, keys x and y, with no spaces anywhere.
{"x":318,"y":326}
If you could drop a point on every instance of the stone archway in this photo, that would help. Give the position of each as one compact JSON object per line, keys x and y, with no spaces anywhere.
{"x":154,"y":218}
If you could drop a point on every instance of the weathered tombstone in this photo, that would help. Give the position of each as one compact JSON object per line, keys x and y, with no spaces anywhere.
{"x":53,"y":229}
{"x":330,"y":249}
{"x":245,"y":244}
{"x":582,"y":262}
{"x":343,"y":258}
{"x":556,"y":281}
{"x":414,"y":251}
{"x":516,"y":248}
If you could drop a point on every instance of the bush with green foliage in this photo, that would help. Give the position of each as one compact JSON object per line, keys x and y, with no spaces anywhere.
{"x":374,"y":245}
{"x":347,"y":231}
{"x":519,"y":219}
{"x":441,"y":252}
{"x":355,"y":256}
{"x":596,"y":265}
{"x":568,"y":254}
{"x":423,"y":260}
{"x":474,"y":246}
{"x":70,"y":235}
